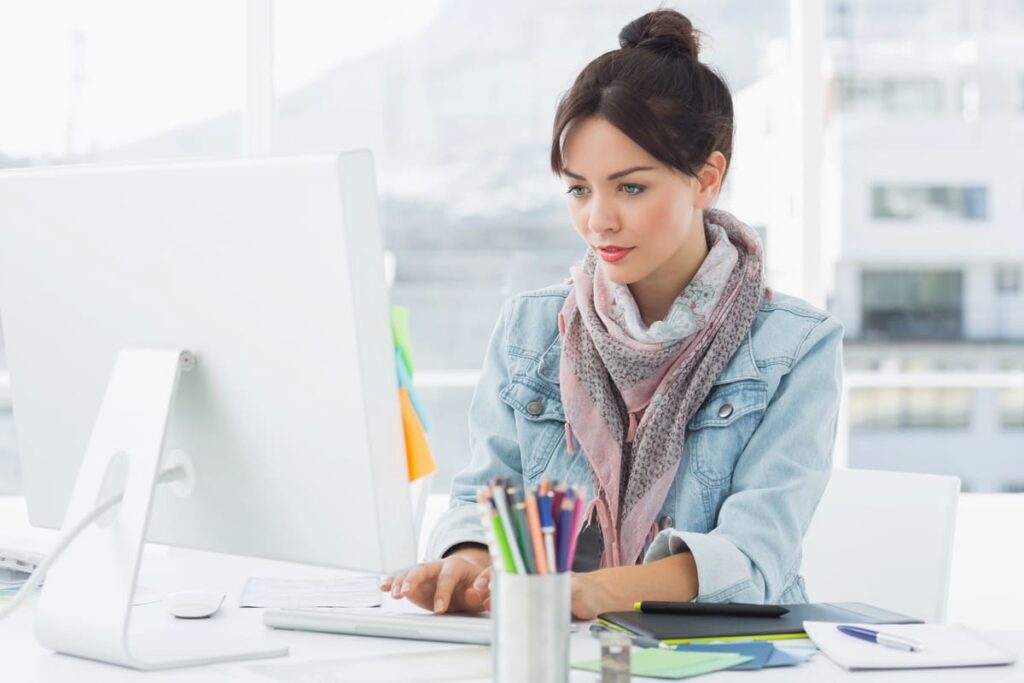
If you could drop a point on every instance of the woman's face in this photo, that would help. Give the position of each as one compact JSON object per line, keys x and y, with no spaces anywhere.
{"x":638,"y":214}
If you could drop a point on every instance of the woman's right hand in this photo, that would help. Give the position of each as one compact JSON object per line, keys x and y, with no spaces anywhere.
{"x":446,"y":585}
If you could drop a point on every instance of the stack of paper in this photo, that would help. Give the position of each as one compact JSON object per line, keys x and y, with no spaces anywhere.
{"x":943,"y":646}
{"x":15,"y":568}
{"x":357,"y":591}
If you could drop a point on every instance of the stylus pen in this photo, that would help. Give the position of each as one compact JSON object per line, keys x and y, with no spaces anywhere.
{"x":888,"y":639}
{"x":721,"y":609}
{"x":547,"y":527}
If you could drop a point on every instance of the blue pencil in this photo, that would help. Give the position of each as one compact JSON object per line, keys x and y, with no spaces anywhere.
{"x":547,"y":528}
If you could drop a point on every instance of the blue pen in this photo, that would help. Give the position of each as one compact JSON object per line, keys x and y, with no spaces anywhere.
{"x":887,"y":639}
{"x":564,"y":533}
{"x":547,"y":527}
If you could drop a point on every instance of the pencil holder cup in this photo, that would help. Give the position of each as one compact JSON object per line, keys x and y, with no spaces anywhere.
{"x":531,"y":616}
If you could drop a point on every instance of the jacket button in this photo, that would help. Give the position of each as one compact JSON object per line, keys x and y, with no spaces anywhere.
{"x":535,"y":407}
{"x":665,"y":522}
{"x":725,"y":411}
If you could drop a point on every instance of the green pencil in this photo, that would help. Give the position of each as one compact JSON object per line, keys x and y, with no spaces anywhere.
{"x":502,"y":538}
{"x":523,"y":531}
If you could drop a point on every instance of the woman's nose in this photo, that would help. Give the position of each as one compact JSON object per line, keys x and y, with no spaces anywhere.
{"x":602,"y":217}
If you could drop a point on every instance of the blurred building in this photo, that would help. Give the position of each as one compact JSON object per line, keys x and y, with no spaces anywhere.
{"x":923,"y":220}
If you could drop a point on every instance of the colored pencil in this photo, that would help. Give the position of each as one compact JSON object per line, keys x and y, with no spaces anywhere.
{"x":556,"y":499}
{"x":577,"y":522}
{"x":483,"y":507}
{"x":533,"y":518}
{"x":547,"y":526}
{"x":522,"y":528}
{"x":502,"y":539}
{"x":565,"y":530}
{"x":501,"y":502}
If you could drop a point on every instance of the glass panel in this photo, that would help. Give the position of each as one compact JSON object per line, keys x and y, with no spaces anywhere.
{"x":891,"y":96}
{"x":901,"y":305}
{"x":909,"y":408}
{"x":1012,"y":403}
{"x":923,"y":203}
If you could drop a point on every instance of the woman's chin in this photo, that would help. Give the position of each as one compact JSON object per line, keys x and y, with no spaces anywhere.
{"x":618,"y":274}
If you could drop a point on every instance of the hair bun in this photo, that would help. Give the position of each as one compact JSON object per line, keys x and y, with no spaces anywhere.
{"x":663,"y":31}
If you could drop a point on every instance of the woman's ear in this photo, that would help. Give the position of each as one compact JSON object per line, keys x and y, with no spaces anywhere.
{"x":709,"y":179}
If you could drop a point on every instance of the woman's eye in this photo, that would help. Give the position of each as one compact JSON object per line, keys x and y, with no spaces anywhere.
{"x":573,"y":190}
{"x":630,"y":188}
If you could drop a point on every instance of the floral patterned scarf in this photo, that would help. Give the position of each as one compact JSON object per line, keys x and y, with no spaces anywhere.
{"x":629,"y":390}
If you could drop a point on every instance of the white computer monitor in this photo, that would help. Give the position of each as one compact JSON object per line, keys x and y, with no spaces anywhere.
{"x":269,"y":273}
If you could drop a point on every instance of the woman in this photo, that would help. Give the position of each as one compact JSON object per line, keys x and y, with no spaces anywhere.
{"x":697,"y":406}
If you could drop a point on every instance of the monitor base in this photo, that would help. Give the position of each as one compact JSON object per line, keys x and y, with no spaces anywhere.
{"x":85,"y":605}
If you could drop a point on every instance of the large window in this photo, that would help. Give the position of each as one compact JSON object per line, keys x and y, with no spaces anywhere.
{"x":908,"y":305}
{"x":456,"y":100}
{"x":929,"y":202}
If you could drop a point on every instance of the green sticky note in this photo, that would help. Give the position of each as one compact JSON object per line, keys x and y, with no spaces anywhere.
{"x":657,"y":663}
{"x":400,"y":333}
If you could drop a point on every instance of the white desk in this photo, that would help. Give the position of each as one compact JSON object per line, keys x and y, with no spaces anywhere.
{"x":23,"y":659}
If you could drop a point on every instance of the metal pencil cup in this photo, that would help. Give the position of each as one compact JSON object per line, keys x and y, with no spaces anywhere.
{"x":531,"y":615}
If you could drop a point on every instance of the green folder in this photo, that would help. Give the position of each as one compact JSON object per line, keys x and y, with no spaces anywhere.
{"x":668,"y":664}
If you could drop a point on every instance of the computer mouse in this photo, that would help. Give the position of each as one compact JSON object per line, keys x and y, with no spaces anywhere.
{"x":193,"y":604}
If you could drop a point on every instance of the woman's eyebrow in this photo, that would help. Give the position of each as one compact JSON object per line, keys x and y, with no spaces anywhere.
{"x":613,"y":176}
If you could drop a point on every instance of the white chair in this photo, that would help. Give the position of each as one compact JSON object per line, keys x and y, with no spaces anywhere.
{"x":883,"y":538}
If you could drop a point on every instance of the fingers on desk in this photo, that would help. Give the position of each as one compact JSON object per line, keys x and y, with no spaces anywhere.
{"x":451,"y":577}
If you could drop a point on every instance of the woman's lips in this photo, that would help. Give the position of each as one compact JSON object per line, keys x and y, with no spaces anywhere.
{"x":614,"y":254}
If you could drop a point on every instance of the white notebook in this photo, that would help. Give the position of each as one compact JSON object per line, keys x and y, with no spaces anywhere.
{"x":944,"y":646}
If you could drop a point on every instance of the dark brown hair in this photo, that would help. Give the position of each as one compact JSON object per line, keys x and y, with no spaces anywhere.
{"x":656,"y":91}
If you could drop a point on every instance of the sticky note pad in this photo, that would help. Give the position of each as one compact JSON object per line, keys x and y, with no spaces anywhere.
{"x":400,"y":334}
{"x":405,"y":382}
{"x":657,"y":663}
{"x":417,"y":449}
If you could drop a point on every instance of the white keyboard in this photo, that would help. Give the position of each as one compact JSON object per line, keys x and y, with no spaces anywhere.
{"x":380,"y":624}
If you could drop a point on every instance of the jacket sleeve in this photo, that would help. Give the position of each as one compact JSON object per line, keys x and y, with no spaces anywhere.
{"x":755,"y":549}
{"x":494,"y":447}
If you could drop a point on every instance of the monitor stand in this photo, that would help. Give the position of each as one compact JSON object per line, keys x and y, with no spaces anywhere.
{"x":85,"y":605}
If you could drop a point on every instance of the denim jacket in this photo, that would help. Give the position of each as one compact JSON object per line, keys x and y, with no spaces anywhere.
{"x":756,"y":457}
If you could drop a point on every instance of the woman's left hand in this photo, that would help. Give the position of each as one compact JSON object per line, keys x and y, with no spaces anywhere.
{"x":589,"y":596}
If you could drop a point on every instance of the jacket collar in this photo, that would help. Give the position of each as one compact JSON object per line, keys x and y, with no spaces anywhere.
{"x":741,"y":366}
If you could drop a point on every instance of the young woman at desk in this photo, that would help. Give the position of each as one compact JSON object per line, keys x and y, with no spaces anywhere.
{"x":698,"y":406}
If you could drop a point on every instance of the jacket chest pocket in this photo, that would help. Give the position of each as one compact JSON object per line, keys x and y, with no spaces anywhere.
{"x":540,"y":421}
{"x":721,"y":427}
